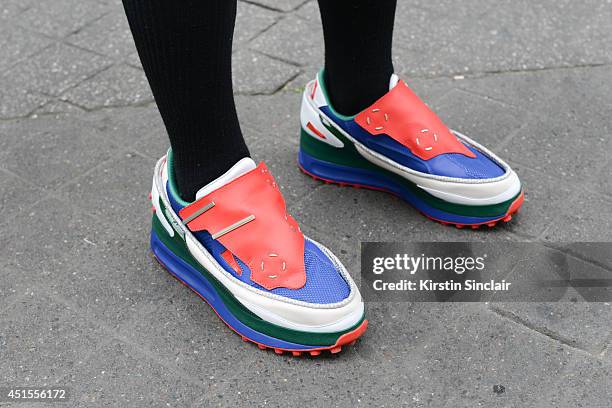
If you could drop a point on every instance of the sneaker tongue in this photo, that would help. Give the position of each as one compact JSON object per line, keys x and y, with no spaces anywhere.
{"x":243,"y":166}
{"x":393,"y":81}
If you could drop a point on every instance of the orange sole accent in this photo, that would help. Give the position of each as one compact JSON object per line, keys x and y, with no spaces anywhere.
{"x":513,"y":209}
{"x":347,"y":339}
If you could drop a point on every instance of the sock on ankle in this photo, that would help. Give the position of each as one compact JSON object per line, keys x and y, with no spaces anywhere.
{"x":185,"y":49}
{"x":358,"y":38}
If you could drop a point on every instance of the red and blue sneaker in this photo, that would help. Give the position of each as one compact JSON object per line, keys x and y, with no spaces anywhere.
{"x":400,"y":146}
{"x":239,"y":250}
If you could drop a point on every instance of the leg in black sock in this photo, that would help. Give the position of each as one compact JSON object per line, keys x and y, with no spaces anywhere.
{"x":185,"y":48}
{"x":358,"y":37}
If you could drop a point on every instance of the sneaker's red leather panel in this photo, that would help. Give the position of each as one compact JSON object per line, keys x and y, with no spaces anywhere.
{"x":231,"y":261}
{"x":401,"y":115}
{"x":271,"y":245}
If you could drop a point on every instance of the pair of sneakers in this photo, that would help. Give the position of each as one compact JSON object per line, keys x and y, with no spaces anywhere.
{"x":238,"y":249}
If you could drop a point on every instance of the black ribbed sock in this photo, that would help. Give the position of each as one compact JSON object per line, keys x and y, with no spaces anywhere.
{"x":358,"y":36}
{"x":185,"y":48}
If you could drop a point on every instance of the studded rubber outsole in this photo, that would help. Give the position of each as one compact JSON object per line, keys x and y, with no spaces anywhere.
{"x":512,"y":210}
{"x":347,"y":339}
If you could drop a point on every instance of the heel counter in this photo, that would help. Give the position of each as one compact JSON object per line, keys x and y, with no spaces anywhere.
{"x":156,"y":199}
{"x":310,"y":119}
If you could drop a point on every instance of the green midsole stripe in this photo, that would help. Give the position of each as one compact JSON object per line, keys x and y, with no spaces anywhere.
{"x":179,"y":248}
{"x":349,"y":156}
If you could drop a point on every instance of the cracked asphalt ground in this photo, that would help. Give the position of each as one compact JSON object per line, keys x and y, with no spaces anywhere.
{"x":84,"y":305}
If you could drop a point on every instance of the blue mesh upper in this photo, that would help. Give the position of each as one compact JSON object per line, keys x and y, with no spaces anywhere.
{"x":448,"y":165}
{"x":459,"y":165}
{"x":324,"y":283}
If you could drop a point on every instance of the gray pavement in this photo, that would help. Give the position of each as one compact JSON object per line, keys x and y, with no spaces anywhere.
{"x":82,"y":303}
